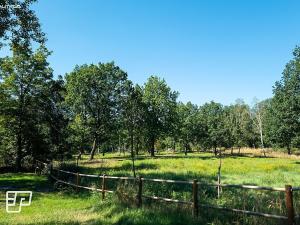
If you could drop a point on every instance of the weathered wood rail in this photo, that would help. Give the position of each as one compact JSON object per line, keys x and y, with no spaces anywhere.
{"x":288,"y":190}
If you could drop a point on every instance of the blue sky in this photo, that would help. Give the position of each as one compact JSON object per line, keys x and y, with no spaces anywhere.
{"x":206,"y":50}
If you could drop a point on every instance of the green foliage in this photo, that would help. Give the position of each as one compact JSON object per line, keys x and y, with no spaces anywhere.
{"x":94,"y":93}
{"x":214,"y":125}
{"x":189,"y":126}
{"x":98,"y":108}
{"x":28,"y":105}
{"x":19,"y":25}
{"x":161,"y":109}
{"x":285,"y":110}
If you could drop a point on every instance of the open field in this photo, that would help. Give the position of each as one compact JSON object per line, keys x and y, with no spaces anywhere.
{"x":243,"y":169}
{"x":63,"y":205}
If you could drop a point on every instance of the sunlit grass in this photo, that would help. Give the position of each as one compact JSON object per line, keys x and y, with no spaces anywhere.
{"x":52,"y":206}
{"x":202,"y":166}
{"x":69,"y":207}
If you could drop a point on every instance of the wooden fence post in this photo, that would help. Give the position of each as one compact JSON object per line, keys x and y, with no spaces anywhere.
{"x":289,"y":205}
{"x":219,"y":183}
{"x":51,"y":172}
{"x":195,"y":198}
{"x":35,"y":166}
{"x":77,"y":181}
{"x":140,"y":190}
{"x":103,"y":187}
{"x":51,"y":168}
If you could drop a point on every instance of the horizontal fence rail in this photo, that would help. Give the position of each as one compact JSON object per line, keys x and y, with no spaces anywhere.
{"x":252,"y":213}
{"x":79,"y":186}
{"x":187,"y":182}
{"x":168,"y":181}
{"x":167,"y":199}
{"x":289,"y":218}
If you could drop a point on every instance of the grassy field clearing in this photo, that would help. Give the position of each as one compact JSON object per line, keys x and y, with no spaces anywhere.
{"x":64,"y":206}
{"x":247,"y":169}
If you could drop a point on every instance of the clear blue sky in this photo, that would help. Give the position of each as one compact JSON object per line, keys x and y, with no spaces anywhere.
{"x":206,"y":50}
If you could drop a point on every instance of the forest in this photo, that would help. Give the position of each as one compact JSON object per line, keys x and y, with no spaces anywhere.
{"x":96,"y":109}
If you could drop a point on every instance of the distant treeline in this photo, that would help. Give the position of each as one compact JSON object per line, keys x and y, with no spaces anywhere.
{"x":95,"y":107}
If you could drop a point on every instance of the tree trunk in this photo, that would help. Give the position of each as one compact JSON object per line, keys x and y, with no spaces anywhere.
{"x":231,"y":150}
{"x":19,"y":141}
{"x":132,"y":154}
{"x":174,"y":146}
{"x":79,"y":157}
{"x":186,"y":149}
{"x":262,"y":141}
{"x":137,"y":148}
{"x":215,"y":151}
{"x":289,"y":150}
{"x":119,"y":145}
{"x":19,"y":157}
{"x":93,"y":149}
{"x":20,"y":116}
{"x":219,"y":173}
{"x":152,"y":148}
{"x":239,"y":150}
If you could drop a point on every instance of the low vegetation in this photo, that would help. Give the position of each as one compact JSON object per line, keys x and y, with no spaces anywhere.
{"x":64,"y":206}
{"x":241,"y":169}
{"x":56,"y":203}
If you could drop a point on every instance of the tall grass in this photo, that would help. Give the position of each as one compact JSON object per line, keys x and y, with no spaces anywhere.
{"x":63,"y":205}
{"x":241,"y":169}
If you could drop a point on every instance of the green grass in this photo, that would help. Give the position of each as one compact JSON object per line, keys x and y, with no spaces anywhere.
{"x":203,"y":166}
{"x":68,"y":207}
{"x":64,"y":206}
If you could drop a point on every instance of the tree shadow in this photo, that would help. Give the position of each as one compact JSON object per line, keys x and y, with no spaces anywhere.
{"x":120,"y":170}
{"x":89,"y":222}
{"x":178,"y":155}
{"x":24,"y":180}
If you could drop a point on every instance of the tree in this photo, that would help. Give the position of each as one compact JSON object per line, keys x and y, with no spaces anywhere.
{"x":286,"y":104}
{"x":160,"y":104}
{"x":214,"y":126}
{"x":134,"y":111}
{"x":95,"y":92}
{"x":25,"y":80}
{"x":56,"y":116}
{"x":229,"y":124}
{"x":242,"y":125}
{"x":19,"y":24}
{"x":260,"y":116}
{"x":187,"y":114}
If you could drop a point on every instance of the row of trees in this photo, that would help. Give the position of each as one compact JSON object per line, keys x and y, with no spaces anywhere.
{"x":97,"y":108}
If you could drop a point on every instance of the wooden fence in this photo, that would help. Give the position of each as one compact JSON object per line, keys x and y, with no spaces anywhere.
{"x":289,"y":218}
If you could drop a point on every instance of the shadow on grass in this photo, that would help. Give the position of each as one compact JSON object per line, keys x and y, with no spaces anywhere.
{"x":120,"y":170}
{"x":177,"y":155}
{"x":22,"y":181}
{"x":113,"y":212}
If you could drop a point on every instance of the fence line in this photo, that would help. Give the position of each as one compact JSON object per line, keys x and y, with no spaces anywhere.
{"x":289,"y":218}
{"x":252,"y":213}
{"x":253,"y":187}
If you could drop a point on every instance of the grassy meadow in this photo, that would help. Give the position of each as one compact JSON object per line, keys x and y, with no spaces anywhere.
{"x":64,"y":206}
{"x":237,"y":169}
{"x":58,"y":204}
